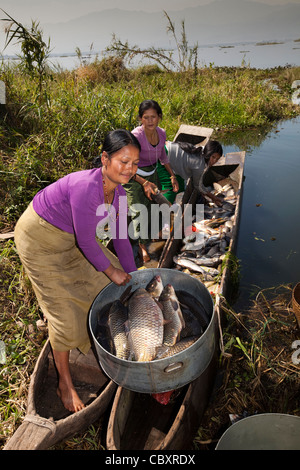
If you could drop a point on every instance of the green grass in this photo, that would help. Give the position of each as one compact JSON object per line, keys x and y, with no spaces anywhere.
{"x":18,"y":315}
{"x":43,"y":139}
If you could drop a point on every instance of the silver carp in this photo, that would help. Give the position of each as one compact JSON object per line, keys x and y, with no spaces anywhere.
{"x":191,"y":303}
{"x":117,"y":318}
{"x":205,"y":261}
{"x":193,"y":326}
{"x":145,"y":324}
{"x":155,"y":287}
{"x":174,"y":321}
{"x":208,"y":273}
{"x":167,"y":351}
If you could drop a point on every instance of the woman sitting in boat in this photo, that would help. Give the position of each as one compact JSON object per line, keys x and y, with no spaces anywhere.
{"x":188,"y":161}
{"x":67,"y":266}
{"x":152,"y":139}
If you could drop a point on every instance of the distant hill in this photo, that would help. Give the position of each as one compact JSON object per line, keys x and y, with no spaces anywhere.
{"x":220,"y":22}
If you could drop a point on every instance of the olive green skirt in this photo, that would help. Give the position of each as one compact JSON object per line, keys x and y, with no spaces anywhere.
{"x":64,"y":281}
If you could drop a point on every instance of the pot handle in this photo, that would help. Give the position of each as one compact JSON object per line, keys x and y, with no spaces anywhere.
{"x":173,"y":367}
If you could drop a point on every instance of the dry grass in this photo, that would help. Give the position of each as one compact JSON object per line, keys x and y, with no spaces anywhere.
{"x":259,"y":375}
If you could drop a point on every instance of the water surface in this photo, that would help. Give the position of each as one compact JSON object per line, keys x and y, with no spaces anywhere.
{"x":269,"y":233}
{"x":251,"y":54}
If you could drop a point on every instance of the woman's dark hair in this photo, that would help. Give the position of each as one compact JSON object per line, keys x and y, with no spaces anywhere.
{"x":212,"y":146}
{"x":149,"y":104}
{"x":115,"y":141}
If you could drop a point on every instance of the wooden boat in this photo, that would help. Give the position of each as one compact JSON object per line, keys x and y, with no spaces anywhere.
{"x":47,"y":422}
{"x":137,"y":421}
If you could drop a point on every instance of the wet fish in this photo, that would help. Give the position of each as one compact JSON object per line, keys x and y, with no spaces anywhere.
{"x":211,"y":271}
{"x":229,"y":224}
{"x":215,"y":222}
{"x":197,"y":245}
{"x":195,"y":241}
{"x":218,"y":187}
{"x":230,"y":193}
{"x":227,"y":187}
{"x":189,"y":254}
{"x":205,"y":261}
{"x":167,"y":351}
{"x":155,"y":287}
{"x":202,"y":227}
{"x":190,"y":264}
{"x":191,"y":303}
{"x":174,"y":321}
{"x":193,"y":326}
{"x":117,"y":318}
{"x":212,"y":252}
{"x":146,"y":325}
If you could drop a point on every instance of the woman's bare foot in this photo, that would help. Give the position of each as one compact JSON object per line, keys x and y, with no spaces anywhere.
{"x":70,"y":399}
{"x":66,"y":390}
{"x":143,"y":253}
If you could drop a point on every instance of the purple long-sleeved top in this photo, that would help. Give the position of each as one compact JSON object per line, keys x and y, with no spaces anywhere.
{"x":75,"y":204}
{"x":149,"y":155}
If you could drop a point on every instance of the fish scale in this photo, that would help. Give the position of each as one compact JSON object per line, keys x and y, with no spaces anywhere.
{"x":146,"y":328}
{"x":167,"y":351}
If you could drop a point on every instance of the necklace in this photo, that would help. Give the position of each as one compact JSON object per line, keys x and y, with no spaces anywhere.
{"x":108,"y":204}
{"x":153,"y":139}
{"x":152,"y":147}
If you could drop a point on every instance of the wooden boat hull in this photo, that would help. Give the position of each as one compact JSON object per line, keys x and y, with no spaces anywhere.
{"x":136,"y":422}
{"x":47,"y":422}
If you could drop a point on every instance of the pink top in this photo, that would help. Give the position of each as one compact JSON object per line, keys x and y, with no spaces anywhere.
{"x":149,"y":155}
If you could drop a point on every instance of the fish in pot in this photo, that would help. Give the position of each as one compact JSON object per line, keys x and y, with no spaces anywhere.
{"x":146,"y":325}
{"x":168,"y":351}
{"x":155,"y":287}
{"x":173,"y":317}
{"x":117,"y":321}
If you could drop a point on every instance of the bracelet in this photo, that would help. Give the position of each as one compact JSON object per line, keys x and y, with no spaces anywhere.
{"x":145,"y":183}
{"x":172,"y":177}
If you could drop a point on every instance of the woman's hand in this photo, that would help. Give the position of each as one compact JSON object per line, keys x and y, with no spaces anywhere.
{"x":149,"y":188}
{"x":175,"y":185}
{"x":117,"y":276}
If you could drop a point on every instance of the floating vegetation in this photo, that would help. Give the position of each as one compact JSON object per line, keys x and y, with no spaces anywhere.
{"x":268,"y":43}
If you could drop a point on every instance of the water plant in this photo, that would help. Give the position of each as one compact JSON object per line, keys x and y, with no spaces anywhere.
{"x":187,"y":56}
{"x":35,"y":51}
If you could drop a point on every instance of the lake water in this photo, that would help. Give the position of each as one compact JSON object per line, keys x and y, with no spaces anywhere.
{"x":251,"y":54}
{"x":248,"y":54}
{"x":269,"y":233}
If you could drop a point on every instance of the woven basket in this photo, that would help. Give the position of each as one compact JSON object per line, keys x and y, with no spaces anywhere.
{"x":296,"y":302}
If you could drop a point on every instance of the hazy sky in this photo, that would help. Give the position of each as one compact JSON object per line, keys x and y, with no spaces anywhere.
{"x":45,"y":11}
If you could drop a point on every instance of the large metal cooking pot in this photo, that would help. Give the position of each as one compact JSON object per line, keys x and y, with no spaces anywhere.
{"x":268,"y":431}
{"x":164,"y":374}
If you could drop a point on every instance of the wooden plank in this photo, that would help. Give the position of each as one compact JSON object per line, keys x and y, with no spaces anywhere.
{"x":195,"y":135}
